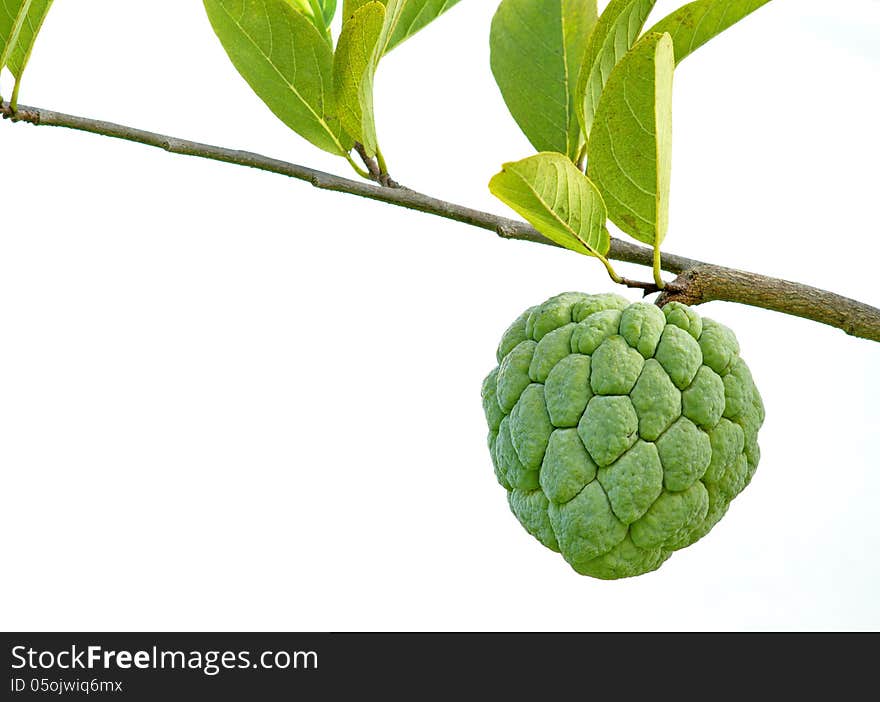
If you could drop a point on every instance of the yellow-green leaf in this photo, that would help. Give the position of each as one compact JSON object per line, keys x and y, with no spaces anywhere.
{"x":287,"y":63}
{"x":20,"y":23}
{"x":537,"y":49}
{"x":328,"y":9}
{"x":630,"y":149}
{"x":414,"y":16}
{"x":696,"y":23}
{"x":618,"y":27}
{"x":404,"y":17}
{"x":557,"y":200}
{"x":354,"y":65}
{"x":315,"y":14}
{"x":12,"y":14}
{"x":349,"y":7}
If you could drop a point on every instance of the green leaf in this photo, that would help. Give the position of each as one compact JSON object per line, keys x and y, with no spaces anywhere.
{"x":287,"y":63}
{"x":12,"y":14}
{"x":328,"y":9}
{"x":536,"y":51}
{"x":321,"y":12}
{"x":694,"y":24}
{"x":354,"y":66}
{"x":314,"y":10}
{"x":393,"y":10}
{"x":557,"y":200}
{"x":415,"y":15}
{"x":618,"y":27}
{"x":631,"y":145}
{"x":404,"y":17}
{"x":20,"y":22}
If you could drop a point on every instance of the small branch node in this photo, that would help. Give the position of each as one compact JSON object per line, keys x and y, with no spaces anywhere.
{"x":505,"y":231}
{"x":375,"y":169}
{"x":13,"y":115}
{"x":687,"y":288}
{"x":322,"y":182}
{"x":387,"y":181}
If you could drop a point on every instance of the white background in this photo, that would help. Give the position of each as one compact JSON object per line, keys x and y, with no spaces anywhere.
{"x":230,"y":401}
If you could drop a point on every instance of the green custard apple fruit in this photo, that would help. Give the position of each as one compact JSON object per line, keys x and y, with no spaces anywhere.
{"x":621,"y":432}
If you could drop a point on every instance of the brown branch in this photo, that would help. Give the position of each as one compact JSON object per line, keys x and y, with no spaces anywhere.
{"x":697,"y":282}
{"x":707,"y":282}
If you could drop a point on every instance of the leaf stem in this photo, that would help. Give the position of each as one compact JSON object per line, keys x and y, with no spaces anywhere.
{"x":646,"y":287}
{"x":357,"y":169}
{"x":14,"y":101}
{"x":658,"y":268}
{"x":383,"y":167}
{"x":377,"y":169}
{"x":611,"y":272}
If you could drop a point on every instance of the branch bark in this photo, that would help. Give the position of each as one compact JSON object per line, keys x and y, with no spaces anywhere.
{"x":697,"y":281}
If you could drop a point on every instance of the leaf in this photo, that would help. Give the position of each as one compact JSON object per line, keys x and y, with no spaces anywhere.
{"x":393,"y":10}
{"x":287,"y":63}
{"x":322,"y":12}
{"x":536,"y":51}
{"x":314,"y":10}
{"x":328,"y":8}
{"x":631,"y":144}
{"x":694,"y":24}
{"x":618,"y":27}
{"x":20,"y":22}
{"x":416,"y":15}
{"x":404,"y":17}
{"x":354,"y":66}
{"x":12,"y":14}
{"x":349,"y":7}
{"x":557,"y":200}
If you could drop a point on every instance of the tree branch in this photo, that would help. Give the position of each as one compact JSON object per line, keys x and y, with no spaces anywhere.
{"x":697,"y":282}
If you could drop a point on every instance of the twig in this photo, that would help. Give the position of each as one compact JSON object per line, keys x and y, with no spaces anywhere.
{"x":697,"y":282}
{"x":370,"y":163}
{"x":647,"y":288}
{"x":376,"y":167}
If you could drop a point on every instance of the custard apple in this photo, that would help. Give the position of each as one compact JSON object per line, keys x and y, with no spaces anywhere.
{"x":621,"y":432}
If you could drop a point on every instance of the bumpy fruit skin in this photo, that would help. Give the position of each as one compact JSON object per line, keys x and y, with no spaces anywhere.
{"x":621,"y":432}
